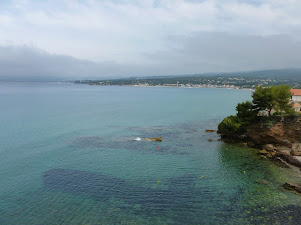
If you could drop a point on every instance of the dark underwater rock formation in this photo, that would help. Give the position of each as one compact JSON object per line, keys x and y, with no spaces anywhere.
{"x":292,"y":187}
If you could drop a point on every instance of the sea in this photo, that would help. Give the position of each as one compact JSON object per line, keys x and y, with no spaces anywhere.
{"x":76,"y":154}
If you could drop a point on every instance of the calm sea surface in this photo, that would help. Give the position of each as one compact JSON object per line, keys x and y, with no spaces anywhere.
{"x":68,"y":155}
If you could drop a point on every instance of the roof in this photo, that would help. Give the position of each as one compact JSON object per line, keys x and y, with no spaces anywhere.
{"x":296,"y":105}
{"x":296,"y":92}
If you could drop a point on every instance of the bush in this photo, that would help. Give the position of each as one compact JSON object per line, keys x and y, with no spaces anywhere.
{"x":231,"y":125}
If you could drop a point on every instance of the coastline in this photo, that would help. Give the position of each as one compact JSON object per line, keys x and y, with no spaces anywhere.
{"x":167,"y":86}
{"x":279,"y":143}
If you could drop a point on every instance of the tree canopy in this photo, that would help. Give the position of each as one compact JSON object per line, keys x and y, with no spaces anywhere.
{"x":270,"y":98}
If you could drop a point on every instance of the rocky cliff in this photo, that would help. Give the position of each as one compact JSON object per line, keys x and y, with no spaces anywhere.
{"x":277,"y":138}
{"x":278,"y":131}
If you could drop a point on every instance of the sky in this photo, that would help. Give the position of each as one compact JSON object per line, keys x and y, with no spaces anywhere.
{"x":88,"y":39}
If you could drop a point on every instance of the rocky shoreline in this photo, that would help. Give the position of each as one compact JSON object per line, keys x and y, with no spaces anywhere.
{"x":290,"y":155}
{"x":279,"y":140}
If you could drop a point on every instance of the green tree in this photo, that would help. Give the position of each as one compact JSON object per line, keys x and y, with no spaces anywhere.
{"x":246,"y":112}
{"x":269,"y":98}
{"x":264,"y":98}
{"x":282,"y":96}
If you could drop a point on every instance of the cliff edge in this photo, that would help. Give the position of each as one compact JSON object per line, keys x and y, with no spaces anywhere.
{"x":285,"y":131}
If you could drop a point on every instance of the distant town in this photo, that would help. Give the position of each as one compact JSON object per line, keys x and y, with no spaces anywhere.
{"x":235,"y":82}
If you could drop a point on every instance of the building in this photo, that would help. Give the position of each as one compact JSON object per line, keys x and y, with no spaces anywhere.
{"x":296,"y":95}
{"x":297,"y":107}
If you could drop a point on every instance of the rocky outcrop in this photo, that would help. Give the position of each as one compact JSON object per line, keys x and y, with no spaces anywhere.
{"x":279,"y":131}
{"x":291,"y":155}
{"x":154,"y":139}
{"x":210,"y":131}
{"x":276,"y":137}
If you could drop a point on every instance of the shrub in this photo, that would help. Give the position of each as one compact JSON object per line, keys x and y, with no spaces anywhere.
{"x":231,"y":125}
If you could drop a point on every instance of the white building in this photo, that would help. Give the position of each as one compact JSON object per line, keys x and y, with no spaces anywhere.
{"x":296,"y":95}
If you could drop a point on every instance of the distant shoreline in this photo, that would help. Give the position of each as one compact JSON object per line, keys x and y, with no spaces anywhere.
{"x":166,"y":86}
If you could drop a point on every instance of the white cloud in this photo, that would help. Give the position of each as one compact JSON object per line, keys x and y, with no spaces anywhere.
{"x":124,"y":30}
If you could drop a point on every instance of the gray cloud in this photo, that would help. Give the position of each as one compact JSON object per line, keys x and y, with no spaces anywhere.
{"x":24,"y":62}
{"x":197,"y":53}
{"x":224,"y":52}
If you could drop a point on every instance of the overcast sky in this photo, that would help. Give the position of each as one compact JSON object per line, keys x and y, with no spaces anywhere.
{"x":109,"y":38}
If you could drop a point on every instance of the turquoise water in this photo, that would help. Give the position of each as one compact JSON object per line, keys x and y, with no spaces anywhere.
{"x":69,"y":156}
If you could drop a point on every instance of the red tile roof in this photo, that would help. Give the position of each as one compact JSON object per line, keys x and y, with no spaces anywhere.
{"x":296,"y":92}
{"x":296,"y":105}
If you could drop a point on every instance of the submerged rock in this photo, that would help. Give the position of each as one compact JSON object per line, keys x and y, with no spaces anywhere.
{"x":210,"y":131}
{"x":292,"y":187}
{"x":281,"y":162}
{"x":262,"y":182}
{"x":154,"y":139}
{"x":264,"y":152}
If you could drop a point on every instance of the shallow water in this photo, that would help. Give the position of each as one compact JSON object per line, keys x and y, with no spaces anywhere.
{"x":69,"y":156}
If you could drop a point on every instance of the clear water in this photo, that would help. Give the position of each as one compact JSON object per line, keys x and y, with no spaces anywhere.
{"x":69,"y":156}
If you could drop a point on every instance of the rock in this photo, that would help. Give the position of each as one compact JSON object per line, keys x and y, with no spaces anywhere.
{"x":296,"y":149}
{"x":269,"y":155}
{"x":284,"y":131}
{"x":283,"y":148}
{"x":283,"y":151}
{"x":262,"y":182}
{"x":296,"y":146}
{"x":296,"y":160}
{"x":154,"y":139}
{"x":292,"y":187}
{"x":263,"y":152}
{"x":273,"y":153}
{"x":210,"y":140}
{"x":210,"y":131}
{"x":296,"y":152}
{"x":269,"y":147}
{"x":282,"y":163}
